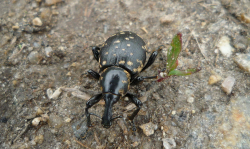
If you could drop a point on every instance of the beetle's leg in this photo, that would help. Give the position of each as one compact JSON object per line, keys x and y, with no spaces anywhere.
{"x":94,"y":74}
{"x":138,"y":104}
{"x":152,"y":58}
{"x":140,"y":79}
{"x":92,"y":101}
{"x":95,"y":51}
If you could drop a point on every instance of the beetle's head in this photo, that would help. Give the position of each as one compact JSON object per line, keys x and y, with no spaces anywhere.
{"x":114,"y":83}
{"x":110,"y":100}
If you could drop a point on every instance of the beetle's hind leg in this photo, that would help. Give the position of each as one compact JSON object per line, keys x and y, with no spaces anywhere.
{"x":92,"y":101}
{"x":95,"y":51}
{"x":138,"y":104}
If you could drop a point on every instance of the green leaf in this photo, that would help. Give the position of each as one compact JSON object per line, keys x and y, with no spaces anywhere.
{"x":184,"y":72}
{"x":173,"y":52}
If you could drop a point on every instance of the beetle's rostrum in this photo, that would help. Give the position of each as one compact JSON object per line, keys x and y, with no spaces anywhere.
{"x":121,"y":58}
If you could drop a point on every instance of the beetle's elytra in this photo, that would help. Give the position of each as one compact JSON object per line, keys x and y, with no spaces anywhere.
{"x":121,"y":58}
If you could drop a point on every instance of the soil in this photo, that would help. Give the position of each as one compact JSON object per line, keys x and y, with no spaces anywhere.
{"x":45,"y":50}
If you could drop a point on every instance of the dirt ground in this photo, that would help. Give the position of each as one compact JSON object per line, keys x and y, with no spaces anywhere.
{"x":45,"y":50}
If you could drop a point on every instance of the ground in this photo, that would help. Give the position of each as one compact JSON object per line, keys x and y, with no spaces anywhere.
{"x":45,"y":50}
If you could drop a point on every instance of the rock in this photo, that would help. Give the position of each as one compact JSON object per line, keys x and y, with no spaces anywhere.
{"x":168,"y":143}
{"x":214,"y":79}
{"x":167,"y":19}
{"x":33,"y":57}
{"x":39,"y":139}
{"x":148,"y":128}
{"x":241,"y":42}
{"x":56,"y":94}
{"x":55,"y":121}
{"x":243,"y":61}
{"x":48,"y":51}
{"x":52,"y":2}
{"x":227,"y":84}
{"x":190,"y":99}
{"x":80,"y":129}
{"x":37,"y":22}
{"x":49,"y":92}
{"x":224,"y":46}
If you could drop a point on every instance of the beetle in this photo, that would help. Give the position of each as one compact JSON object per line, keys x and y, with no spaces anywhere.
{"x":121,"y":58}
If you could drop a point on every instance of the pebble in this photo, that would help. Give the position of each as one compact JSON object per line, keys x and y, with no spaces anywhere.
{"x":243,"y":61}
{"x":227,"y":84}
{"x":48,"y":51}
{"x":241,"y":42}
{"x":39,"y":139}
{"x":68,"y":120}
{"x":167,"y":19}
{"x":214,"y":79}
{"x":36,"y":45}
{"x":52,"y":2}
{"x":56,"y":94}
{"x":168,"y":143}
{"x":190,"y":99}
{"x":37,"y":22}
{"x":33,"y":57}
{"x":55,"y":121}
{"x":148,"y":128}
{"x":173,"y":112}
{"x":80,"y":129}
{"x":224,"y":46}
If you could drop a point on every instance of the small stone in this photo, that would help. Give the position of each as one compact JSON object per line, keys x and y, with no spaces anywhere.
{"x":15,"y":27}
{"x":39,"y":111}
{"x":37,"y":22}
{"x":46,"y":14}
{"x":55,"y":121}
{"x":36,"y":45}
{"x":33,"y":57}
{"x":48,"y":51}
{"x":14,"y":82}
{"x":227,"y":84}
{"x":126,"y":98}
{"x":49,"y":92}
{"x":243,"y":61}
{"x":167,"y":19}
{"x":39,"y":139}
{"x":190,"y":99}
{"x":52,"y":2}
{"x":148,"y":128}
{"x":224,"y":46}
{"x":56,"y":94}
{"x":193,"y":111}
{"x":214,"y":79}
{"x":173,"y":112}
{"x":36,"y":121}
{"x":68,"y":74}
{"x":68,"y":120}
{"x":135,"y":144}
{"x":168,"y":143}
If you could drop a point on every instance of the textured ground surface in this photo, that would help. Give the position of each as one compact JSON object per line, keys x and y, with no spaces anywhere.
{"x":185,"y":112}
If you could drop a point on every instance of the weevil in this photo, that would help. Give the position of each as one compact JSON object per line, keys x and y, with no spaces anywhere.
{"x":121,"y":59}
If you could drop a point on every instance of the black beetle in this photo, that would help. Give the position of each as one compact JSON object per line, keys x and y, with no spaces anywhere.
{"x":121,"y":58}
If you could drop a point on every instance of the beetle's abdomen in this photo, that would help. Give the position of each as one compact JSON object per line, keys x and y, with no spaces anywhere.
{"x":124,"y":49}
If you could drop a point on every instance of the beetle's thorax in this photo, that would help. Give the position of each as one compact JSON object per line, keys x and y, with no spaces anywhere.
{"x":115,"y":80}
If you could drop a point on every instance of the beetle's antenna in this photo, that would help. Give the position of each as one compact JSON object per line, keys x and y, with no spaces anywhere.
{"x":116,"y":117}
{"x":95,"y":115}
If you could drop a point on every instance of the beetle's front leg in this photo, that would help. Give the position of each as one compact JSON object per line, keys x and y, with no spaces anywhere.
{"x":92,"y":101}
{"x":138,"y":104}
{"x":94,"y":74}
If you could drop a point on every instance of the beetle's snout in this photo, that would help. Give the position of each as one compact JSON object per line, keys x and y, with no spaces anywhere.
{"x":106,"y":123}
